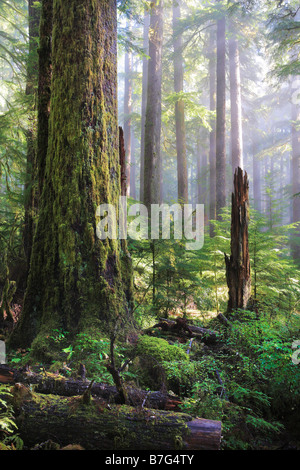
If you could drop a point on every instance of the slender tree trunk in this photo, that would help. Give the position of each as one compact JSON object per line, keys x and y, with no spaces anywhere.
{"x":201,"y":180}
{"x":236,"y":105}
{"x":77,"y":280}
{"x":200,"y":192}
{"x":152,"y":159}
{"x":144,"y":100}
{"x":212,"y":134}
{"x":296,"y":177}
{"x":122,"y":159}
{"x":127,"y":115}
{"x":182,"y":176}
{"x":238,"y":265}
{"x":256,"y":179}
{"x":221,"y":119}
{"x":133,"y":167}
{"x":31,"y":184}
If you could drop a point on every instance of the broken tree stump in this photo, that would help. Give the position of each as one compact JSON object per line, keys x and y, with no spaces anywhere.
{"x":238,"y":264}
{"x":97,"y":426}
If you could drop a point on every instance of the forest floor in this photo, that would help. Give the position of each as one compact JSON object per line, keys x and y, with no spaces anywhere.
{"x":215,"y":376}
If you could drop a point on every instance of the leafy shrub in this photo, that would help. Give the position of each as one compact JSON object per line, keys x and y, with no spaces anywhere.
{"x":9,"y":440}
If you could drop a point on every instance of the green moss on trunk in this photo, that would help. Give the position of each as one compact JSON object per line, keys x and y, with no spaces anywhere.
{"x":75,"y":279}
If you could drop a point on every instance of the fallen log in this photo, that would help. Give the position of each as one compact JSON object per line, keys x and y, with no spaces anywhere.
{"x":224,"y":320}
{"x":182,"y":328}
{"x":49,"y":383}
{"x":98,"y":426}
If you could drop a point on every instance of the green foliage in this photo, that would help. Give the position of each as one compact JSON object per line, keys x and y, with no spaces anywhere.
{"x":259,"y":382}
{"x":9,"y":439}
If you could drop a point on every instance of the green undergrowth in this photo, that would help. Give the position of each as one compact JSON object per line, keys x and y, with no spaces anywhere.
{"x":248,"y":379}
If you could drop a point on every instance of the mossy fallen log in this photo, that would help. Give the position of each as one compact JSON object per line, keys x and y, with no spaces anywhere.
{"x":49,"y":383}
{"x":181,"y":328}
{"x":98,"y":426}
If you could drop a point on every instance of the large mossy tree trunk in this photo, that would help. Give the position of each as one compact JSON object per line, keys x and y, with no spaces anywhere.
{"x":238,"y":265}
{"x":76,"y":280}
{"x":44,"y":87}
{"x":31,"y":186}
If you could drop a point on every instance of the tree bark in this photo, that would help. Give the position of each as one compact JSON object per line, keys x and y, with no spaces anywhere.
{"x":221,"y":119}
{"x":182,"y":175}
{"x":236,"y":105}
{"x":77,"y":280}
{"x":144,"y":100}
{"x":238,"y":265}
{"x":44,"y":87}
{"x":31,"y":183}
{"x":95,"y":426}
{"x":152,"y":158}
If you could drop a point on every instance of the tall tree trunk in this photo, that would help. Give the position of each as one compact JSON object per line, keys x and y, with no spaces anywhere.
{"x":236,"y":105}
{"x":201,"y":180}
{"x":221,"y":119}
{"x":77,"y":280}
{"x":256,"y":178}
{"x":144,"y":100}
{"x":133,"y":167}
{"x":127,"y":114}
{"x":238,"y":265}
{"x":152,"y":158}
{"x":212,"y":134}
{"x":182,"y":176}
{"x":296,"y":177}
{"x":200,"y":192}
{"x":31,"y":167}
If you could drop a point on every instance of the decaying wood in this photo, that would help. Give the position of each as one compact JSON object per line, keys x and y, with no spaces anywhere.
{"x":54,"y":384}
{"x":181,"y":328}
{"x":97,"y":426}
{"x":238,"y":264}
